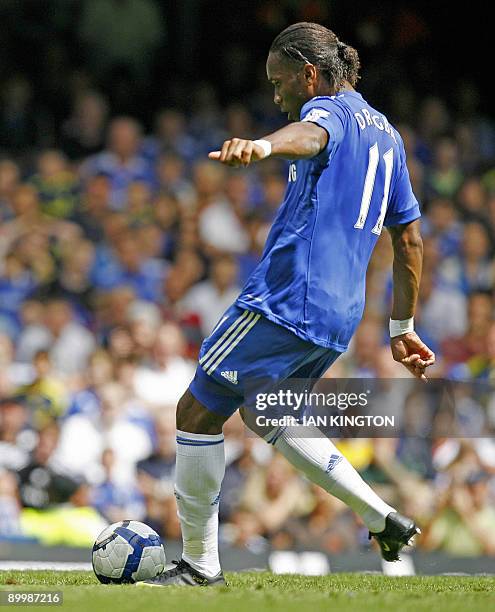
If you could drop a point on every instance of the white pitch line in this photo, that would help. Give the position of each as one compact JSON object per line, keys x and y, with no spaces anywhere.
{"x":60,"y":566}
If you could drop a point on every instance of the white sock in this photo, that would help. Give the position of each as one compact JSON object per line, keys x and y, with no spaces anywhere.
{"x":198,"y":476}
{"x":325,"y":465}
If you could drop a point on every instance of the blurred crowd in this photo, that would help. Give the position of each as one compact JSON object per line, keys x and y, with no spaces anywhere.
{"x":121,"y":246}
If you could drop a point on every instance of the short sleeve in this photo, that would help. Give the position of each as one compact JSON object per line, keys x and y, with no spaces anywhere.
{"x":328,"y":116}
{"x":403,"y":206}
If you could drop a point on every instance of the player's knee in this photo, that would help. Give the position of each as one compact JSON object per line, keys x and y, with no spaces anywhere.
{"x":193,"y":417}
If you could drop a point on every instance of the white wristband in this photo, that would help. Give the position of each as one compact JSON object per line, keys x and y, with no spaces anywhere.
{"x":397,"y":328}
{"x":266,"y":146}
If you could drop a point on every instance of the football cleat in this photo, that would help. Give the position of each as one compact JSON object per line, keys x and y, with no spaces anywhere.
{"x":183,"y":575}
{"x":399,"y":532}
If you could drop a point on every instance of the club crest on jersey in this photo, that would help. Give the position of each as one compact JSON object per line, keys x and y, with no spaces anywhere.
{"x":292,"y":173}
{"x":315,"y":114}
{"x":231,"y":376}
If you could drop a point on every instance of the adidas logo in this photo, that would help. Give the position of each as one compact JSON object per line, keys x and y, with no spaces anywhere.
{"x":334,"y":460}
{"x":230,"y":375}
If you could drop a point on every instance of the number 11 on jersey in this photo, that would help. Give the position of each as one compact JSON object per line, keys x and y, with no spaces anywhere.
{"x":369,"y":185}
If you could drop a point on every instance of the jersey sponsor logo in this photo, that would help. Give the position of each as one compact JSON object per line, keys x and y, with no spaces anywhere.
{"x":231,"y":376}
{"x":315,"y":114}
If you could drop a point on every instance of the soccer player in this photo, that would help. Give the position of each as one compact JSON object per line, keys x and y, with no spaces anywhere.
{"x":299,"y":309}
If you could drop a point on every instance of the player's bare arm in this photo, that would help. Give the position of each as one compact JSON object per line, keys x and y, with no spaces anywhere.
{"x":408,"y":348}
{"x":300,"y":140}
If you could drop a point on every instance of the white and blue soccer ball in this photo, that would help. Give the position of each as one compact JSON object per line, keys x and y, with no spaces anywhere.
{"x":128,"y":551}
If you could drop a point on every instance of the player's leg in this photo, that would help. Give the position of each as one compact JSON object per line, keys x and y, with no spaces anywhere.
{"x":200,"y":456}
{"x":193,"y":417}
{"x":200,"y":468}
{"x":321,"y":461}
{"x":199,"y":471}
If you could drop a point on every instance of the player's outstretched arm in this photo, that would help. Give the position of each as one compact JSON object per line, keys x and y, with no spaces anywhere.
{"x":299,"y":140}
{"x":407,"y":347}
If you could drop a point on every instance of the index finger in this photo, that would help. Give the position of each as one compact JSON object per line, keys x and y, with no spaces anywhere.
{"x":214,"y":154}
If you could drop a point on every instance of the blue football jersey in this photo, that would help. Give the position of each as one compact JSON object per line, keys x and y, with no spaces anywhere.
{"x":311,"y":278}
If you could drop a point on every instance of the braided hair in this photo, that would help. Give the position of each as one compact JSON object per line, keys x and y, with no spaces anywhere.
{"x":312,"y":43}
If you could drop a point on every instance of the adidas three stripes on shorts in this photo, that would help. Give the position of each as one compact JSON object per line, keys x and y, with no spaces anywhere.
{"x":246,"y":349}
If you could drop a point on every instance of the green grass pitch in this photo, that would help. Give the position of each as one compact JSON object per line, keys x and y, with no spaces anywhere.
{"x":259,"y":591}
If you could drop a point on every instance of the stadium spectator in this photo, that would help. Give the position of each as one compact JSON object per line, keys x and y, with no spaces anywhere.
{"x":139,"y":205}
{"x":237,"y":473}
{"x":68,"y":342}
{"x":26,"y":216}
{"x":127,"y":265}
{"x":72,"y":282}
{"x":366,"y":344}
{"x":121,"y":161}
{"x":171,"y":144}
{"x":256,"y":230}
{"x":275,"y":494}
{"x":108,"y":424}
{"x":464,"y":520}
{"x":472,"y":198}
{"x":155,"y":476}
{"x":83,"y":131}
{"x":10,"y":506}
{"x":93,"y":207}
{"x":15,"y":434}
{"x":467,"y":349}
{"x":56,"y":183}
{"x":435,"y":298}
{"x":445,"y":176}
{"x":12,"y":373}
{"x":42,"y":482}
{"x":16,"y":284}
{"x":9,"y":181}
{"x":471,"y":269}
{"x":144,"y":321}
{"x":329,"y":526}
{"x":45,"y":394}
{"x":442,"y":224}
{"x":220,"y":225}
{"x":114,"y":501}
{"x":160,"y":385}
{"x":209,"y":299}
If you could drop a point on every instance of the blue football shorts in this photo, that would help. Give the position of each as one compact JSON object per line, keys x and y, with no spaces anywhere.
{"x":247,"y":353}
